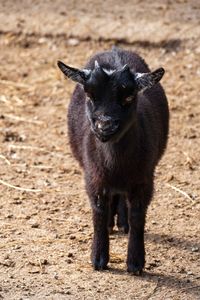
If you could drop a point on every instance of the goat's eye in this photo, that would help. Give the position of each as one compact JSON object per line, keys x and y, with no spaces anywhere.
{"x":128,"y":100}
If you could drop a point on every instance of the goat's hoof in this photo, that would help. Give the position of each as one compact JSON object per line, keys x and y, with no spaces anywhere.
{"x":135,"y":270}
{"x":99,"y":265}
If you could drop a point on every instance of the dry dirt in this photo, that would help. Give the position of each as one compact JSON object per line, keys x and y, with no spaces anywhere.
{"x":46,"y":233}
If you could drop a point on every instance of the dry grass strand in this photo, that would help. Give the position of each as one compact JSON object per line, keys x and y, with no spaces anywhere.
{"x":19,"y":188}
{"x":5,"y":159}
{"x":180,"y":191}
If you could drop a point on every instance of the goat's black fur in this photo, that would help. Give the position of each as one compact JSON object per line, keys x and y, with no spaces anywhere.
{"x":118,"y":127}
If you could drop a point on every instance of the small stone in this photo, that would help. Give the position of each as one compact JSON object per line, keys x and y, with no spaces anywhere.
{"x":195,"y":249}
{"x":10,"y":216}
{"x":42,"y":40}
{"x":189,"y":273}
{"x":17,"y":202}
{"x":73,"y":42}
{"x":44,"y":262}
{"x":197,"y":50}
{"x":35,"y":225}
{"x":170,"y":177}
{"x":69,"y":261}
{"x":68,"y":293}
{"x":16,"y":247}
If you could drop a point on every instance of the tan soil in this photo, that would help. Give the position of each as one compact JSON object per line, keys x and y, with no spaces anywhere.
{"x":46,"y":235}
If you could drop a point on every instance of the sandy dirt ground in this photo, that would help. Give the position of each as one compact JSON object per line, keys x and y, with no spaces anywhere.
{"x":45,"y":224}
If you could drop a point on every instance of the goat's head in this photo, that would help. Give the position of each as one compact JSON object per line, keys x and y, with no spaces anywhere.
{"x":111,"y":96}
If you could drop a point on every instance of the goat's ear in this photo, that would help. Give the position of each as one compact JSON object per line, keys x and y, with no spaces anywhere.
{"x":147,"y":80}
{"x":80,"y":76}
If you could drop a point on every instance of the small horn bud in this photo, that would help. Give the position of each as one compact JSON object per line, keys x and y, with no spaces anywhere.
{"x":96,"y":64}
{"x":124,"y":68}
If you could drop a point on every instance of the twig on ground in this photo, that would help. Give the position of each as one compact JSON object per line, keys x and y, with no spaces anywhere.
{"x":41,"y":167}
{"x":153,"y":291}
{"x":37,"y":241}
{"x":189,"y":158}
{"x":19,"y":188}
{"x":13,"y":100}
{"x":3,"y":99}
{"x":35,"y":148}
{"x":16,"y":118}
{"x":42,"y":80}
{"x":15,"y":84}
{"x":190,"y":162}
{"x":18,"y":100}
{"x":180,"y":191}
{"x":6,"y":101}
{"x":31,"y":166}
{"x":6,"y":160}
{"x":190,"y":288}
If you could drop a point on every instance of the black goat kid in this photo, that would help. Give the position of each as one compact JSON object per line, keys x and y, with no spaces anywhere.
{"x":118,"y":127}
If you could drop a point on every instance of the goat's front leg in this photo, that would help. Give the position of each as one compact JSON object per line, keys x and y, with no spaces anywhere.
{"x":138,"y":202}
{"x":100,"y":245}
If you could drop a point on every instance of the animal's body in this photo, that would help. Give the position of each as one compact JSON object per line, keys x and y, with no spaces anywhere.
{"x":118,"y":127}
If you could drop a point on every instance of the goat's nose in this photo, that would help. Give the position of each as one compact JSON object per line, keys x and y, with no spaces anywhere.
{"x":106,"y":123}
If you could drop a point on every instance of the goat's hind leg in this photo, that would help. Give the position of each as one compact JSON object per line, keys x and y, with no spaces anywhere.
{"x":118,"y":208}
{"x":113,"y":203}
{"x":122,"y":215}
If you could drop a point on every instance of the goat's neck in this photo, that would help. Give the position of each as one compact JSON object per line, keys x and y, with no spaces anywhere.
{"x":127,"y":145}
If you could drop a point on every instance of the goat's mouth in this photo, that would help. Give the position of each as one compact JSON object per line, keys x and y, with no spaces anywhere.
{"x":105,"y":136}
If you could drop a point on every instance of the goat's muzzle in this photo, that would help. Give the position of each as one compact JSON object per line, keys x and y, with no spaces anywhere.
{"x":106,"y":127}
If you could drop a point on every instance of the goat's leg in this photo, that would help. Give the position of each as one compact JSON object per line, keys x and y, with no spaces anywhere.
{"x":112,"y":212}
{"x":137,"y":206}
{"x":122,"y":215}
{"x":100,"y":245}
